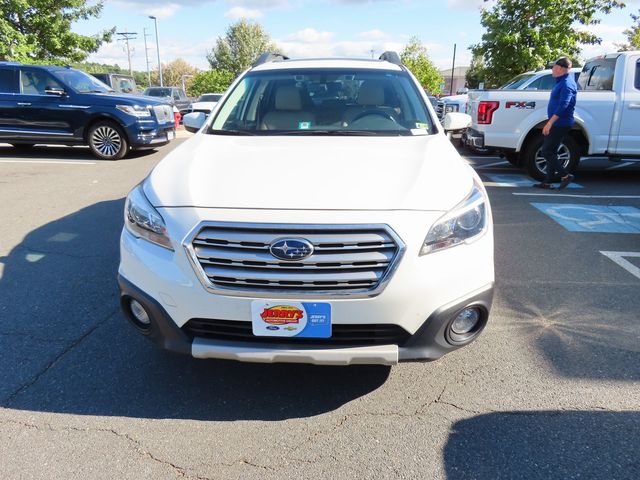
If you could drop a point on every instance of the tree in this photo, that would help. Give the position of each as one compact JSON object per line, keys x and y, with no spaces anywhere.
{"x":173,"y":73}
{"x":414,"y":56}
{"x":210,"y":81}
{"x":633,"y":35}
{"x":476,"y":73}
{"x":523,"y":36}
{"x":40,"y":31}
{"x":243,"y":43}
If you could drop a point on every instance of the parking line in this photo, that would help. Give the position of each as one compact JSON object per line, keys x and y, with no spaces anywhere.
{"x":61,"y":162}
{"x":617,"y":257}
{"x":504,"y":162}
{"x":620,"y":165}
{"x":575,"y":195}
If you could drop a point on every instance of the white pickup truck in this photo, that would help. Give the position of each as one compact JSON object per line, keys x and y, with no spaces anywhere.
{"x":607,"y":116}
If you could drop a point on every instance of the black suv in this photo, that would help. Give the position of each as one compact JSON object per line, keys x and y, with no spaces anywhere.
{"x":60,"y":105}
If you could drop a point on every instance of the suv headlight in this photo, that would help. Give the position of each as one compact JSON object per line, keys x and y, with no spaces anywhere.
{"x":464,"y":223}
{"x":144,"y":221}
{"x":140,"y":111}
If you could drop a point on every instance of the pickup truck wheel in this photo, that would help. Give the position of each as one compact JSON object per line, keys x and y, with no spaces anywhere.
{"x":536,"y":165}
{"x":107,"y":142}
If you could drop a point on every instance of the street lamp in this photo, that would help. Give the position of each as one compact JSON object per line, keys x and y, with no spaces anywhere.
{"x":155,"y":21}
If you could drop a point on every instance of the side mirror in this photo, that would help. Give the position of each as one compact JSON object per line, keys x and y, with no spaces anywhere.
{"x":58,"y":92}
{"x":194,"y":121}
{"x":456,"y":121}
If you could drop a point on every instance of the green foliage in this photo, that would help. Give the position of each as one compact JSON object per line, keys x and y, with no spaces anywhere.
{"x":414,"y":56}
{"x":523,"y":36}
{"x":39,"y":31}
{"x":476,"y":73}
{"x":211,"y":81}
{"x":173,"y":73}
{"x":633,"y":35}
{"x":243,"y":44}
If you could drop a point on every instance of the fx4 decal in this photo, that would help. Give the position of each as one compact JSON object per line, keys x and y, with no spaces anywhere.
{"x":521,"y":105}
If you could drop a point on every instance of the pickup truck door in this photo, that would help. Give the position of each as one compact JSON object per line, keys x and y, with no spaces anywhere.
{"x":628,"y":135}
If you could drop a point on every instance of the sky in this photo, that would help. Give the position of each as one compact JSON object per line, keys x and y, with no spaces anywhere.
{"x":188,"y":29}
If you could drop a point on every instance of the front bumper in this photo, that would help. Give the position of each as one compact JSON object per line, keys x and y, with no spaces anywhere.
{"x":152,"y":135}
{"x":429,"y":342}
{"x":474,"y":138}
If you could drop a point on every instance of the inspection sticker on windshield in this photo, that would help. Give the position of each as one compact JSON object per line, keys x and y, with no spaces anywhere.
{"x":291,"y":319}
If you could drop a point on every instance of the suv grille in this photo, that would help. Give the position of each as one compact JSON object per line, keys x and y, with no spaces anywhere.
{"x":164,"y":113}
{"x":241,"y":331}
{"x":236,"y":258}
{"x":440,"y":111}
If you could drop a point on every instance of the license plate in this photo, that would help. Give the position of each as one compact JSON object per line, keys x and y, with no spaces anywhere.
{"x":291,"y":319}
{"x":171,"y":135}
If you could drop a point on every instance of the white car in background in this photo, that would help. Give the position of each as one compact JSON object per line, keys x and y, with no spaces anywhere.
{"x":206,"y":102}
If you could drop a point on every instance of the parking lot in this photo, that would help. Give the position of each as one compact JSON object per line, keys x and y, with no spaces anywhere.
{"x":551,"y":389}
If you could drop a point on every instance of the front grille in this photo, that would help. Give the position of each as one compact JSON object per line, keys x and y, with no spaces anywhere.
{"x":440,"y":110}
{"x":353,"y":335}
{"x":346,"y":259}
{"x":163,"y":113}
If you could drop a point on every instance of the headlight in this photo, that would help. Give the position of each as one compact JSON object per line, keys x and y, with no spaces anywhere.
{"x":144,"y":221}
{"x":465,"y":222}
{"x":452,"y":107}
{"x":140,"y":111}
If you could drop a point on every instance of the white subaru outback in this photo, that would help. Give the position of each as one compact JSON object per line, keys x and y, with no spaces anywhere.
{"x":319,"y":215}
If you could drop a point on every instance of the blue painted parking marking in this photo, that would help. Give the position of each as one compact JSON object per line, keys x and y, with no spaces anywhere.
{"x":593,"y":218}
{"x":517,"y":180}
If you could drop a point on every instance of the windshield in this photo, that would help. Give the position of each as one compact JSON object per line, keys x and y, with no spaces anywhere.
{"x":158,"y":92}
{"x":81,"y":82}
{"x":517,"y":82}
{"x":324,"y":102}
{"x":210,"y":97}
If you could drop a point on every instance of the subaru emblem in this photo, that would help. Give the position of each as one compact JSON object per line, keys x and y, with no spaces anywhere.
{"x":291,"y":248}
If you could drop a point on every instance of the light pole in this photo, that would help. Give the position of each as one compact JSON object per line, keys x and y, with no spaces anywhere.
{"x":146,"y":54}
{"x":155,"y":21}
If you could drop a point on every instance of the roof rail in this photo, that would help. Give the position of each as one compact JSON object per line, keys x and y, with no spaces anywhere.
{"x":269,"y":57}
{"x":391,"y":57}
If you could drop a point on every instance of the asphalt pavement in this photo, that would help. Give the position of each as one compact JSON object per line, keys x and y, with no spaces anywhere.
{"x":550,"y":390}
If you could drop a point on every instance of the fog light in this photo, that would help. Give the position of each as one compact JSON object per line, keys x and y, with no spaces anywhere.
{"x":139,"y":313}
{"x":466,"y":321}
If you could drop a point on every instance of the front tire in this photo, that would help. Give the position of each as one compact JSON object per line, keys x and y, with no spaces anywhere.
{"x":107,"y":142}
{"x":536,"y":165}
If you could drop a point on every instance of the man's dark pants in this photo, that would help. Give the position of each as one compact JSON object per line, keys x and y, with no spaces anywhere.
{"x":550,"y":152}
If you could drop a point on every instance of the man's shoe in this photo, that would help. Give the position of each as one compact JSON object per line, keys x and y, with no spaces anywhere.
{"x":566,"y":180}
{"x":548,"y":186}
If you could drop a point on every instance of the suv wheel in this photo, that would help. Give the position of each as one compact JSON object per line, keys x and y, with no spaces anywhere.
{"x":107,"y":141}
{"x":536,"y":165}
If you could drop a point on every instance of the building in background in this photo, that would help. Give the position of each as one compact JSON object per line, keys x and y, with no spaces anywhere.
{"x":459,"y":81}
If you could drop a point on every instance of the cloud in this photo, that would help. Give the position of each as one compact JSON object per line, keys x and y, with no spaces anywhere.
{"x":374,"y":35}
{"x":309,"y":35}
{"x":465,"y":4}
{"x":159,"y":10}
{"x":237,"y":13}
{"x":261,"y":4}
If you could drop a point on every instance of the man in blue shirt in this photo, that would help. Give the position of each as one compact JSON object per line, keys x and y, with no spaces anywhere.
{"x":560,"y":110}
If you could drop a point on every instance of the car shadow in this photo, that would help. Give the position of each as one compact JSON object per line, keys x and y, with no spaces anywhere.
{"x":58,"y":152}
{"x":68,"y":349}
{"x":545,"y":445}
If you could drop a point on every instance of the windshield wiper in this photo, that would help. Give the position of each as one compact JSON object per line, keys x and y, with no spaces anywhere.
{"x":232,"y":132}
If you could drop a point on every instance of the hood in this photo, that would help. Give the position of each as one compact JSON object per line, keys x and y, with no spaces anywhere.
{"x":129,"y":99}
{"x":422,"y":172}
{"x":455,"y":98}
{"x":203,"y":105}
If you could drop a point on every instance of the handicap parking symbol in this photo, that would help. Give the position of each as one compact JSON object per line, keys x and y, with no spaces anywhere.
{"x":593,"y":218}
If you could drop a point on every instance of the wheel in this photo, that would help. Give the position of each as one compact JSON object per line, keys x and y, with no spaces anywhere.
{"x":536,"y":165}
{"x":107,"y":142}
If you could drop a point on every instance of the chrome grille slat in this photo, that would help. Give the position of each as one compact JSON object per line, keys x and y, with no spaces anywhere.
{"x":235,"y":259}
